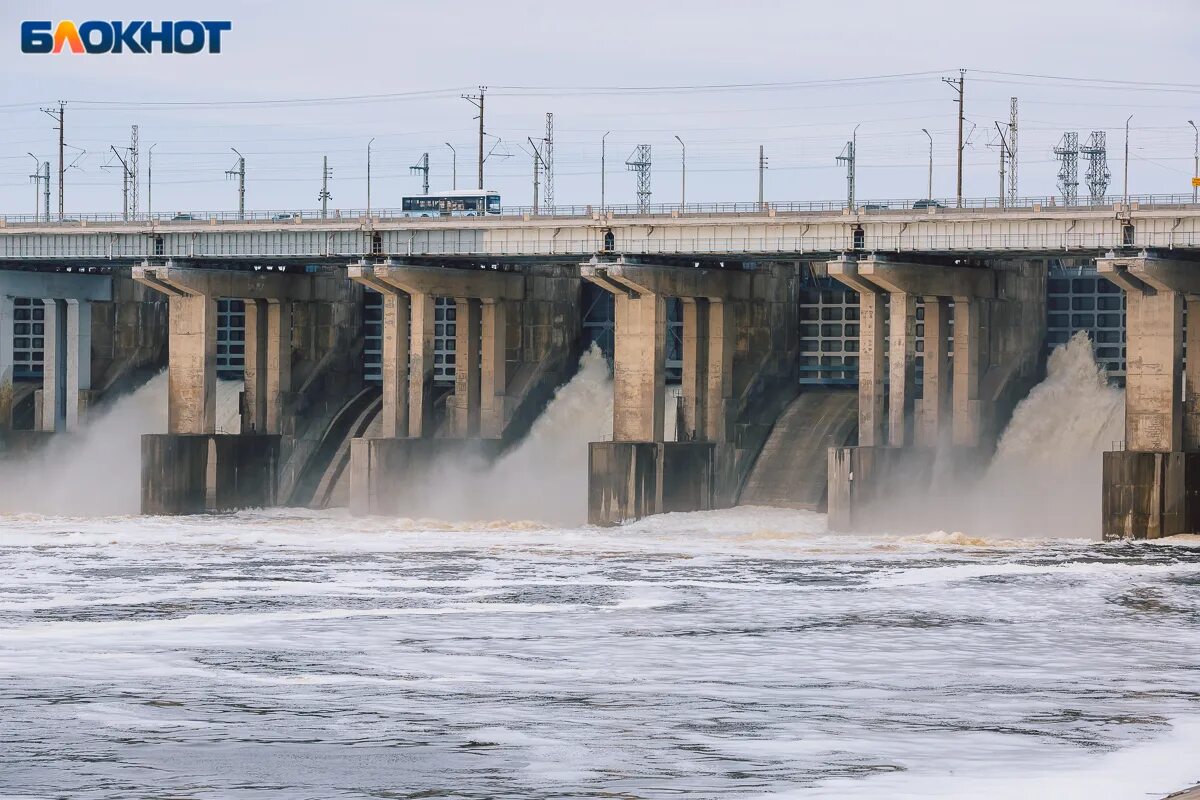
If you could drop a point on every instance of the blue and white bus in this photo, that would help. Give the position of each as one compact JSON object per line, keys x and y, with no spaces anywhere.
{"x":457,"y":203}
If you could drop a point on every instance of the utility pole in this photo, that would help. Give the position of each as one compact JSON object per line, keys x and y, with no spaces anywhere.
{"x":602,"y":167}
{"x":369,"y":176}
{"x":453,"y":166}
{"x":848,"y":157}
{"x":325,"y":196}
{"x":46,"y":191}
{"x":422,"y":166}
{"x":762,"y":167}
{"x":548,"y":162}
{"x":239,"y":172}
{"x":59,"y":116}
{"x":639,"y":163}
{"x":536,"y":157}
{"x":1012,"y":151}
{"x":1127,"y":159}
{"x":1195,"y":159}
{"x":124,"y":183}
{"x":150,"y":181}
{"x":682,"y":174}
{"x":36,"y":178}
{"x":929,"y":191}
{"x":958,"y":87}
{"x":477,"y":101}
{"x":1004,"y":155}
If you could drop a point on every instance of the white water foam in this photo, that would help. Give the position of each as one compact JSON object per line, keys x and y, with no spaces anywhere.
{"x":1045,"y":477}
{"x":544,"y":478}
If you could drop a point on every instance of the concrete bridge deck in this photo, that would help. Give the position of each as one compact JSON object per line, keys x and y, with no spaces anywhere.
{"x":770,"y":232}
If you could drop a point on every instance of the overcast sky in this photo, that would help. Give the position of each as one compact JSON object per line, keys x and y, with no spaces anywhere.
{"x":585,"y":62}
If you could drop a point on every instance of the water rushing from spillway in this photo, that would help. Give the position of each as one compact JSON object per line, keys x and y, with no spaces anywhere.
{"x":738,"y":653}
{"x":1045,"y":477}
{"x":542,"y":478}
{"x":98,"y":469}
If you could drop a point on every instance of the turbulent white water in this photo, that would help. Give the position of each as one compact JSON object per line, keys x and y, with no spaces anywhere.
{"x":739,"y":653}
{"x":744,"y":653}
{"x":98,"y":470}
{"x":544,"y":478}
{"x":1045,"y":478}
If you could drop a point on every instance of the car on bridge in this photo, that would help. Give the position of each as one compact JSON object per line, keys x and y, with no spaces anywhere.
{"x":920,"y":204}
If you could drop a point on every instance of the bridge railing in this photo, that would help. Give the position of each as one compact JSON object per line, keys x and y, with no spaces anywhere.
{"x":357,"y":215}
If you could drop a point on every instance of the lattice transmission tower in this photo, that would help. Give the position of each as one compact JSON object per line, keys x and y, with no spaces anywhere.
{"x":133,"y":171}
{"x":1097,"y":174}
{"x":1012,"y":152}
{"x":548,"y":162}
{"x":1067,"y":152}
{"x":639,"y":163}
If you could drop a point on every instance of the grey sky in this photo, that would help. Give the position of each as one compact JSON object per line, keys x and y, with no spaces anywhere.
{"x":307,"y":49}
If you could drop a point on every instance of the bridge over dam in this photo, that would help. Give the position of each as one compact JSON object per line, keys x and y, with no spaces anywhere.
{"x":817,"y":358}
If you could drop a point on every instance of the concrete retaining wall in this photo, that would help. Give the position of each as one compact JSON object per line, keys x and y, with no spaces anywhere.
{"x":1150,"y":495}
{"x":195,"y":473}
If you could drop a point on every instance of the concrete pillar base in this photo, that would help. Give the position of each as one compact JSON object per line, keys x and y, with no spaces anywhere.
{"x":1150,"y":495}
{"x":631,"y":480}
{"x":388,"y":476}
{"x":861,"y":479}
{"x":176,"y":471}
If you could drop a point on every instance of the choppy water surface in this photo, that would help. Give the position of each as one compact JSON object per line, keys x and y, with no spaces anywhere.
{"x":737,"y":653}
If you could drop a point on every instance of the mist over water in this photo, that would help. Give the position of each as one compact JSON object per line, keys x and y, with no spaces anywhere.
{"x":1044,"y":477}
{"x":544,"y":477}
{"x":97,"y":471}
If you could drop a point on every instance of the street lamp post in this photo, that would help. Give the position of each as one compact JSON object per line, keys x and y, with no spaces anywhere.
{"x":1195,"y":159}
{"x":682,"y":174}
{"x":602,"y":167}
{"x":453,"y":166}
{"x":369,"y":176}
{"x":929,"y":191}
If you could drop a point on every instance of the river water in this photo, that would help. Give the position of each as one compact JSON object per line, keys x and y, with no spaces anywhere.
{"x":738,"y":653}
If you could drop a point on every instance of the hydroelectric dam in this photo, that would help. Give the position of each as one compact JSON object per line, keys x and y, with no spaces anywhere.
{"x":769,"y":354}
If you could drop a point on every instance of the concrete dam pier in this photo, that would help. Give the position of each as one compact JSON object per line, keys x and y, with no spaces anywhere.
{"x":855,"y":361}
{"x":981,"y":334}
{"x":738,"y":369}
